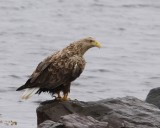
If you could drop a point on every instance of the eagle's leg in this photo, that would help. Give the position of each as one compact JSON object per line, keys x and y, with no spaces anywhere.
{"x":66,"y":90}
{"x":58,"y":96}
{"x":65,"y":97}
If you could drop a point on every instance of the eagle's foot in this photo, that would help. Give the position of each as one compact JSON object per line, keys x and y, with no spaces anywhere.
{"x":58,"y":97}
{"x":65,"y":97}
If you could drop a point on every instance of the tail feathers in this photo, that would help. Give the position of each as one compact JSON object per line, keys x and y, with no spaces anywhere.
{"x":29,"y":93}
{"x":21,"y":88}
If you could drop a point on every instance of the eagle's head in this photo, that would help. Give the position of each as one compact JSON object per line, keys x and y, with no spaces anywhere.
{"x":89,"y":42}
{"x":81,"y":46}
{"x":84,"y":44}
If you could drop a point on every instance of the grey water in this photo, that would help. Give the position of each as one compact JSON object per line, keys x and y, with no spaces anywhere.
{"x":128,"y":64}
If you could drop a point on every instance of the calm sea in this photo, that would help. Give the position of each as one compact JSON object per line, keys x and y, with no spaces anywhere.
{"x":127,"y":65}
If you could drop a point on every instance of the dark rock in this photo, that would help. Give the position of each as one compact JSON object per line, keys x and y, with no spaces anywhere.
{"x":153,"y":97}
{"x":50,"y":124}
{"x":127,"y":112}
{"x":77,"y":121}
{"x":74,"y":121}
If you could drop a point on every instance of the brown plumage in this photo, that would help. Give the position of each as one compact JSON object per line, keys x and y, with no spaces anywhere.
{"x":55,"y":73}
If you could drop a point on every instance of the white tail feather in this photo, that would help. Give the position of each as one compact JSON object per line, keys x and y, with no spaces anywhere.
{"x":29,"y":93}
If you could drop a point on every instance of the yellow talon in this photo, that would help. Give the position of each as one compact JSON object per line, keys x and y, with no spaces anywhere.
{"x":65,"y":97}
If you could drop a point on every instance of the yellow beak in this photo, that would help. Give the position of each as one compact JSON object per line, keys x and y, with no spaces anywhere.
{"x":97,"y":44}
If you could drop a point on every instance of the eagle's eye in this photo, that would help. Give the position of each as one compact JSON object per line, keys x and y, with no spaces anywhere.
{"x":90,"y":41}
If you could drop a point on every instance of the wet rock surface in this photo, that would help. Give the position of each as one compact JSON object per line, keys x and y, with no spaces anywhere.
{"x":74,"y":121}
{"x":50,"y":124}
{"x":153,"y":97}
{"x":127,"y":112}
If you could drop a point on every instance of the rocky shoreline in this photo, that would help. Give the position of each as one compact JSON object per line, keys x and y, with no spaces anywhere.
{"x":126,"y":112}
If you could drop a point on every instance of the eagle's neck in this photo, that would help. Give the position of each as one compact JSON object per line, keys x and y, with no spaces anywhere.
{"x":77,"y":49}
{"x":83,"y":50}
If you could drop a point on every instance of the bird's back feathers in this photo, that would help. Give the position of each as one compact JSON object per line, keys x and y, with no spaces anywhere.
{"x":55,"y":71}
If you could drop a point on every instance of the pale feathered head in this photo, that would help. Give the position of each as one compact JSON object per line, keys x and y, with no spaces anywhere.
{"x":84,"y":44}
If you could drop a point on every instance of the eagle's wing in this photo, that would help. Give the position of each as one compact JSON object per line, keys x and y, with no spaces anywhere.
{"x":54,"y":72}
{"x":60,"y":71}
{"x":40,"y":68}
